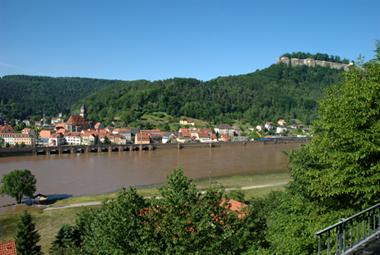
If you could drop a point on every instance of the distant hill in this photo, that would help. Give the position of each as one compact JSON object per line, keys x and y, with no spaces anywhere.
{"x":279,"y":91}
{"x":23,"y":96}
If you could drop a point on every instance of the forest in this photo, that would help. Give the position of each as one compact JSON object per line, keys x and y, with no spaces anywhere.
{"x":24,"y":97}
{"x":275,"y":92}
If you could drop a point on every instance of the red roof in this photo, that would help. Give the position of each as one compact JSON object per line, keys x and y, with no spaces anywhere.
{"x":142,"y":137}
{"x":235,"y":206}
{"x":45,"y":133}
{"x":76,"y":120}
{"x":6,"y":129}
{"x":185,"y":132}
{"x":8,"y":248}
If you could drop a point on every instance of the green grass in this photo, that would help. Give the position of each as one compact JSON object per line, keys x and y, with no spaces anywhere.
{"x":47,"y":223}
{"x":238,"y":181}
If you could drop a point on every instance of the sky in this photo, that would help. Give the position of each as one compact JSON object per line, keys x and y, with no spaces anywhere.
{"x":154,"y":39}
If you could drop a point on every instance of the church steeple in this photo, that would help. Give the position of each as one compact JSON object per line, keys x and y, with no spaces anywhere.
{"x":83,"y":111}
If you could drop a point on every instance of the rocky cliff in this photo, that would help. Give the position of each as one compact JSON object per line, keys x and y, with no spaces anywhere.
{"x":312,"y":63}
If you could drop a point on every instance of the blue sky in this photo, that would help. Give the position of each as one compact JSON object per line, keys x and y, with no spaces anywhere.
{"x":179,"y":38}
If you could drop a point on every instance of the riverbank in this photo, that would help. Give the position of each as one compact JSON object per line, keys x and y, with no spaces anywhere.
{"x":78,"y":149}
{"x":48,"y":222}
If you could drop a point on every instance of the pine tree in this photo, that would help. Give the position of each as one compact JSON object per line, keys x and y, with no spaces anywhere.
{"x":27,"y":236}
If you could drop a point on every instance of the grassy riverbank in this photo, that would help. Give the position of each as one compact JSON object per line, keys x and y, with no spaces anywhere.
{"x":48,"y":222}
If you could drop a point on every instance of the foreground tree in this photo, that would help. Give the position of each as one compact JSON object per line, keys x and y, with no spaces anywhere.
{"x":182,"y":221}
{"x":66,"y":241}
{"x":338,"y":172}
{"x":340,"y":167}
{"x":27,"y":236}
{"x":18,"y":183}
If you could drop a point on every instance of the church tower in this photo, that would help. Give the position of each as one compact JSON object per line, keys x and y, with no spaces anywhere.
{"x":83,"y":112}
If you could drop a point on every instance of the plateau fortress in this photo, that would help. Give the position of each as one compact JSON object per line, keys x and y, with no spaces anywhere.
{"x":312,"y":63}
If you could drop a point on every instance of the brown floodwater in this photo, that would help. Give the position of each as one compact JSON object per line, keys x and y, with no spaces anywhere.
{"x":95,"y":173}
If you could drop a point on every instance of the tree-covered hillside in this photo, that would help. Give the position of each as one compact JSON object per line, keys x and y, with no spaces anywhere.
{"x":24,"y":96}
{"x":278,"y":91}
{"x":275,"y":92}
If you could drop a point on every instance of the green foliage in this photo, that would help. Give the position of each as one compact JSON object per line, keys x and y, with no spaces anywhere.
{"x":106,"y":140}
{"x":25,"y":96}
{"x":67,"y":241}
{"x":276,"y":92}
{"x":343,"y":156}
{"x":18,"y":183}
{"x":338,"y":172}
{"x":293,"y":221}
{"x":182,"y":221}
{"x":27,"y":236}
{"x":317,"y":56}
{"x":117,"y":227}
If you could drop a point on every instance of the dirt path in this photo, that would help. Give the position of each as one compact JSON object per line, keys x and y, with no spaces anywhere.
{"x":94,"y":203}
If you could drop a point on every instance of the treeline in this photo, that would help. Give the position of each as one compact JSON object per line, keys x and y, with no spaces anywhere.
{"x":25,"y":96}
{"x":317,"y":56}
{"x":275,"y":92}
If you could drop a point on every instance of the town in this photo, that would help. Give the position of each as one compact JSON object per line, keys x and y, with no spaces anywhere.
{"x":77,"y":130}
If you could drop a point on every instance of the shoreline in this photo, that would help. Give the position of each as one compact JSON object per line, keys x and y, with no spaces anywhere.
{"x":81,"y":149}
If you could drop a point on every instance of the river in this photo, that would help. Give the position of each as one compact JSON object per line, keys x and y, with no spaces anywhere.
{"x":95,"y":173}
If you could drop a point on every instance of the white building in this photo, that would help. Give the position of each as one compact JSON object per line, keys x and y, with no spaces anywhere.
{"x":73,"y":138}
{"x":17,"y":139}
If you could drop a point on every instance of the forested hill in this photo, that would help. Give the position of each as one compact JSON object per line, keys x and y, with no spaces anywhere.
{"x":24,"y":96}
{"x":278,"y":91}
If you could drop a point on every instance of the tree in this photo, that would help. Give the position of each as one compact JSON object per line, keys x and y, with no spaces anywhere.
{"x":27,"y":236}
{"x":340,"y":167}
{"x":66,"y":240}
{"x":18,"y":183}
{"x":106,"y":140}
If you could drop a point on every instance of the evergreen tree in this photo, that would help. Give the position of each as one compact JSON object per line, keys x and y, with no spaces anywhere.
{"x":27,"y":237}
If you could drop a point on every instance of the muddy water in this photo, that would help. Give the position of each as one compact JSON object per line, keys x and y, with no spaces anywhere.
{"x":95,"y":173}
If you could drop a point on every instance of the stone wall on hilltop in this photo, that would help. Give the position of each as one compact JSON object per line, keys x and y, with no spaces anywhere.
{"x":312,"y":63}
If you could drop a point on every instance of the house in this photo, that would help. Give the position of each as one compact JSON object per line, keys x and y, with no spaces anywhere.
{"x":187,"y":122}
{"x":44,"y":133}
{"x":281,"y":130}
{"x":28,"y":131}
{"x":126,"y":132}
{"x":8,"y":248}
{"x":259,"y":128}
{"x":281,"y":122}
{"x":56,"y":120}
{"x":155,"y":135}
{"x":268,"y":126}
{"x":88,"y":137}
{"x":223,"y":138}
{"x":205,"y":135}
{"x":6,"y":129}
{"x":56,"y":140}
{"x":184,"y":135}
{"x":225,"y":129}
{"x":99,"y":125}
{"x":235,"y":206}
{"x":17,"y":139}
{"x":73,"y":138}
{"x":168,"y":137}
{"x":142,"y":138}
{"x":26,"y":122}
{"x":117,"y":139}
{"x":76,"y":123}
